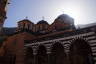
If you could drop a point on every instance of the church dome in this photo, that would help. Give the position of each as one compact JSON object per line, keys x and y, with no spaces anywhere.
{"x":26,"y":20}
{"x":42,"y":22}
{"x":65,"y":18}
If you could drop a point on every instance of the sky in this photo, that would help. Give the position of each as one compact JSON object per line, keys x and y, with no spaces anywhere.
{"x":83,"y":11}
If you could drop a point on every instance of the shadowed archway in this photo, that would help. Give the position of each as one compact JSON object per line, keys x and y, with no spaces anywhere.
{"x":41,"y":55}
{"x":80,"y":52}
{"x":29,"y":57}
{"x":58,"y":55}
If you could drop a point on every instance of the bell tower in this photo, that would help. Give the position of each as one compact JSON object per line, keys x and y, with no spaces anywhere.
{"x":3,"y":6}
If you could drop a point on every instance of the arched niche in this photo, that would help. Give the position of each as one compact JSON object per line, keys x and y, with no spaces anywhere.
{"x":29,"y":57}
{"x":80,"y":52}
{"x":58,"y":55}
{"x":41,"y":55}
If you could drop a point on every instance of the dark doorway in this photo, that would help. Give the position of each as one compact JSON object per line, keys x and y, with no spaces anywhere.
{"x":41,"y":55}
{"x":58,"y":55}
{"x":80,"y":52}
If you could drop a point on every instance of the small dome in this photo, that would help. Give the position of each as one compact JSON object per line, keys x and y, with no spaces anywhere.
{"x":65,"y":18}
{"x":42,"y":22}
{"x":26,"y":20}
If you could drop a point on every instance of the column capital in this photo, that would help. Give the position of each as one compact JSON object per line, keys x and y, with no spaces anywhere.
{"x":48,"y":50}
{"x":34,"y":51}
{"x":67,"y":48}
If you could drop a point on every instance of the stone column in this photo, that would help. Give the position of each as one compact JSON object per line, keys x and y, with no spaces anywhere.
{"x":34,"y":53}
{"x":48,"y":53}
{"x":66,"y":49}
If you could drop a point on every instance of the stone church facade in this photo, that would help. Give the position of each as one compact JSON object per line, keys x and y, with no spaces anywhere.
{"x":43,"y":43}
{"x":73,"y":49}
{"x":47,"y":44}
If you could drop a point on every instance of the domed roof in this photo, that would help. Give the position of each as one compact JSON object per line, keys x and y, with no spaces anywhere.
{"x":65,"y":18}
{"x":26,"y":20}
{"x":42,"y":22}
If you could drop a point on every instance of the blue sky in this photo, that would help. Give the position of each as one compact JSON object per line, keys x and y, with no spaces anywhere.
{"x":83,"y":11}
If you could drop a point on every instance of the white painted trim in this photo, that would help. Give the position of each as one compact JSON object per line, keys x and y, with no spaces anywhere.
{"x":92,"y":37}
{"x":92,"y":41}
{"x":93,"y":48}
{"x":64,"y":38}
{"x":93,"y":53}
{"x":92,"y":44}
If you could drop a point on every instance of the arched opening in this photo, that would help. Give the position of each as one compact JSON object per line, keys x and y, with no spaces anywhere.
{"x":41,"y":55}
{"x":80,"y":52}
{"x":29,"y":58}
{"x":58,"y":55}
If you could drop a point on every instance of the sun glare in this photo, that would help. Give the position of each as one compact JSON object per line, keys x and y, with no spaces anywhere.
{"x":73,"y":11}
{"x":74,"y":14}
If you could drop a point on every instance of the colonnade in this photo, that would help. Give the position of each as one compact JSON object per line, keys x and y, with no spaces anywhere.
{"x":59,"y":53}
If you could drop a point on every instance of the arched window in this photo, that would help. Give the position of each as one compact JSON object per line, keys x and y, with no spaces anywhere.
{"x":29,"y":26}
{"x":23,"y":26}
{"x":80,"y":52}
